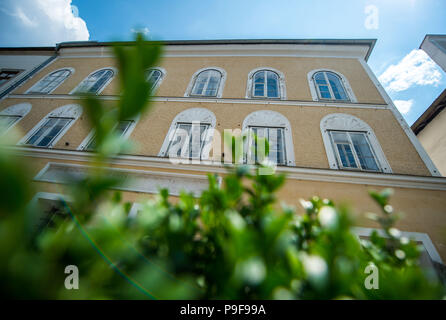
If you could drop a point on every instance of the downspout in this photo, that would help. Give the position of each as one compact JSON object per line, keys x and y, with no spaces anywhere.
{"x":29,"y":75}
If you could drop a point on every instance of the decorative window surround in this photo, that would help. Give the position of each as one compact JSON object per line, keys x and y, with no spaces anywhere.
{"x":133,"y":180}
{"x":416,"y":236}
{"x":160,"y":80}
{"x":221,"y":85}
{"x":347,"y":122}
{"x":194,"y":115}
{"x":313,"y":89}
{"x":282,"y":87}
{"x":269,"y":118}
{"x":410,"y":134}
{"x":72,"y":111}
{"x":18,"y":110}
{"x":30,"y":90}
{"x":115,"y":72}
{"x":84,"y":144}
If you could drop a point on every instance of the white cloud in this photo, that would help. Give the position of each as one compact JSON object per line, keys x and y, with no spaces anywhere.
{"x":404,"y":106}
{"x":144,"y":30}
{"x":414,"y":69}
{"x":40,"y":23}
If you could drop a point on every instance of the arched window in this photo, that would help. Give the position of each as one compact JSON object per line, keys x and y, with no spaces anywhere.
{"x":123,"y":128}
{"x":13,"y":114}
{"x":155,"y":76}
{"x":49,"y":83}
{"x":330,"y":85}
{"x":276,"y":129}
{"x":51,"y":128}
{"x":266,"y":83}
{"x":190,"y":135}
{"x":207,"y":82}
{"x":351,"y":144}
{"x":95,"y":82}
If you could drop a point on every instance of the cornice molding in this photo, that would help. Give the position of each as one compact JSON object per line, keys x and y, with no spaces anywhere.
{"x":295,"y":173}
{"x":300,"y":103}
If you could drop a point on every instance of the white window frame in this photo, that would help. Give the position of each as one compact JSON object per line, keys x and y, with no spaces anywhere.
{"x":248,"y":153}
{"x":29,"y":91}
{"x":193,"y":115}
{"x":115,"y":72}
{"x":314,"y":90}
{"x":17,"y":110}
{"x":202,"y":142}
{"x":163,"y":75}
{"x":416,"y":236}
{"x":221,"y":85}
{"x":84,"y":144}
{"x":350,"y":123}
{"x":270,"y":119}
{"x":354,"y":153}
{"x":72,"y":111}
{"x":250,"y":84}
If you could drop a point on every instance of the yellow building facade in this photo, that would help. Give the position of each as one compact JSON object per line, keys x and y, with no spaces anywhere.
{"x":335,"y":132}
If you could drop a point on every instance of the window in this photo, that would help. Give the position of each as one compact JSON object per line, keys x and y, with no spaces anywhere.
{"x":276,"y":142}
{"x":95,"y":82}
{"x":51,"y":128}
{"x":276,"y":129}
{"x":50,"y":82}
{"x":329,"y":86}
{"x":11,"y":115}
{"x":7,"y":121}
{"x":350,"y":143}
{"x":6,"y":75}
{"x":190,"y":135}
{"x":155,"y":76}
{"x":353,"y":150}
{"x":121,"y":129}
{"x":266,"y":84}
{"x":48,"y":131}
{"x":206,"y":83}
{"x":188,"y":140}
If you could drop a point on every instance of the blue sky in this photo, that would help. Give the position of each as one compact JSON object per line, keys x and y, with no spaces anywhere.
{"x":414,"y":81}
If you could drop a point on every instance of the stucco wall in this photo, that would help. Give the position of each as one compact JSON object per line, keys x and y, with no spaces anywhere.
{"x":424,"y":210}
{"x":180,"y":70}
{"x":433,"y":139}
{"x":309,"y":149}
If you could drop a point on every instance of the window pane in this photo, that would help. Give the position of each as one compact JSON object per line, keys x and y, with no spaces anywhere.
{"x":95,"y":82}
{"x":272,"y":84}
{"x":153,"y":76}
{"x":342,"y":155}
{"x":325,"y":93}
{"x":336,"y":86}
{"x":363,"y":151}
{"x":121,"y":128}
{"x":258,"y":90}
{"x":276,"y":142}
{"x":7,"y":121}
{"x":212,"y":87}
{"x":48,"y":124}
{"x":188,"y":140}
{"x":53,"y":133}
{"x":320,"y":78}
{"x":207,"y":83}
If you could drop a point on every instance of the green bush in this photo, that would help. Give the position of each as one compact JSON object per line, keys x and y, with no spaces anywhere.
{"x":233,"y":242}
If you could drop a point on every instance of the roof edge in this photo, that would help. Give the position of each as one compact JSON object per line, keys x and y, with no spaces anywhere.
{"x":361,"y":42}
{"x":430,"y":113}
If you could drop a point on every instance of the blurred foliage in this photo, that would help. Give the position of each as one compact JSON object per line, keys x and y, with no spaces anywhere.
{"x":233,"y":242}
